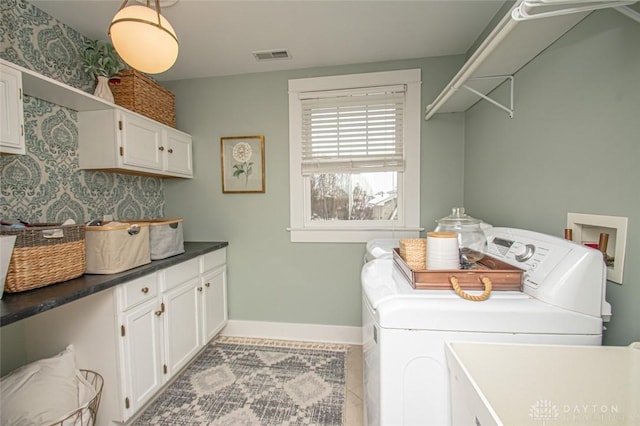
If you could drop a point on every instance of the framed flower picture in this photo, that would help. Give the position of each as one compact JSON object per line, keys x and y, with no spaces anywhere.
{"x":242,"y":160}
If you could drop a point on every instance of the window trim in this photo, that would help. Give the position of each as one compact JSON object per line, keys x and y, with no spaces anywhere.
{"x":357,"y":232}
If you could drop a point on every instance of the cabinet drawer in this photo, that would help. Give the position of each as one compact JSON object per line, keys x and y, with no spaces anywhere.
{"x":180,"y":273}
{"x":138,"y":290}
{"x":214,"y":259}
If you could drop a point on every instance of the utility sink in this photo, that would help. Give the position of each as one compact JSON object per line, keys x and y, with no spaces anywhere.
{"x":514,"y":384}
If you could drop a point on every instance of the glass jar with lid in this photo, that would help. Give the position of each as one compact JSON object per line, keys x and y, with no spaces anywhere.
{"x":472,"y":241}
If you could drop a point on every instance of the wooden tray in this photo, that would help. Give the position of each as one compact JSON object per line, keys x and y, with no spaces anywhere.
{"x":503,"y":276}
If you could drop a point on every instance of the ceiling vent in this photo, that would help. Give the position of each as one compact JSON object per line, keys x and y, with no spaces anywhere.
{"x":268,"y":55}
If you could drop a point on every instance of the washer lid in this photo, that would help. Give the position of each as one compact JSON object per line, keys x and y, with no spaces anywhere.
{"x":395,"y":304}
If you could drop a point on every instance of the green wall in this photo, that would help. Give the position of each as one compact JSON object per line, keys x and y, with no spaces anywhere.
{"x":573,"y":146}
{"x":271,"y":279}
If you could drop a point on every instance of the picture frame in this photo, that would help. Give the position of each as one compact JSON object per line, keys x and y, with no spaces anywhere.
{"x":242,"y":164}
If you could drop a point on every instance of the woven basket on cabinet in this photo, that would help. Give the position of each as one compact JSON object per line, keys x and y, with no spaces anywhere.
{"x":139,"y":93}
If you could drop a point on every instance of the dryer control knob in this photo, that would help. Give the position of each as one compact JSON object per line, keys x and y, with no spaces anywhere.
{"x":525,"y":252}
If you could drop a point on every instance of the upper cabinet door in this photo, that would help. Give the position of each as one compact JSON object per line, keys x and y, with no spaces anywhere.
{"x":141,"y":142}
{"x":178,"y":153}
{"x":11,"y":111}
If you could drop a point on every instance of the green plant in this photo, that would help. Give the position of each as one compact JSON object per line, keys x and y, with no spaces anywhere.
{"x":100,"y":59}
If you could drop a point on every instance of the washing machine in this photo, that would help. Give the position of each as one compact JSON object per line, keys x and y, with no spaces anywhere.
{"x":406,"y":380}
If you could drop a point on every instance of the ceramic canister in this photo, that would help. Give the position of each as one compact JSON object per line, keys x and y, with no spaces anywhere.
{"x":442,"y":250}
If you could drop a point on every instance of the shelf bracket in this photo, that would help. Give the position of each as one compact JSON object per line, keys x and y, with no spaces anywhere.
{"x":508,"y":109}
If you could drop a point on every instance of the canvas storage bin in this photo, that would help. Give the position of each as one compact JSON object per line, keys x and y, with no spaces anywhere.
{"x":113,"y":248}
{"x":44,"y":254}
{"x":165,"y":237}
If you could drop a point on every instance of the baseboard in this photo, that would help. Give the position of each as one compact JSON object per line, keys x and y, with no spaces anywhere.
{"x":289,"y":331}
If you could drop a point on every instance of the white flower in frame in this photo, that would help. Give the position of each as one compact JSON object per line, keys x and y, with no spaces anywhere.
{"x":242,"y":152}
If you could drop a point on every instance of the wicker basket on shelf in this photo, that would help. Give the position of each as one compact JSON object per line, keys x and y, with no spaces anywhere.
{"x":86,"y":415}
{"x":44,"y":254}
{"x":140,"y":93}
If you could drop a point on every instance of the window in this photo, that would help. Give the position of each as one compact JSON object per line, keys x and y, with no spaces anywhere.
{"x":354,"y":143}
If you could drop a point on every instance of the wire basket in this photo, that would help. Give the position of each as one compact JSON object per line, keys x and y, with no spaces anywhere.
{"x":86,"y":415}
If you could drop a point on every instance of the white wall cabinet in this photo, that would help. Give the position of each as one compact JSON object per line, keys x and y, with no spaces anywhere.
{"x":147,"y":148}
{"x":178,"y":158}
{"x":120,"y":140}
{"x":11,"y":111}
{"x":140,"y":334}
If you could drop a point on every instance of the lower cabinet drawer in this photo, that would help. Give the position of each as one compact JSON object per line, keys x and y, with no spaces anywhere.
{"x":214,"y":259}
{"x":137,"y":291}
{"x":177,"y":274}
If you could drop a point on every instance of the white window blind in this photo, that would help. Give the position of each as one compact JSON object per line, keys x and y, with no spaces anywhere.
{"x":353,"y":130}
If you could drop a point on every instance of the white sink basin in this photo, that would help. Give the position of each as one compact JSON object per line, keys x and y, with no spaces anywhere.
{"x":502,"y":384}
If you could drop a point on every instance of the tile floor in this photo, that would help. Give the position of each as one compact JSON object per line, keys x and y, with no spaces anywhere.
{"x":355,"y":406}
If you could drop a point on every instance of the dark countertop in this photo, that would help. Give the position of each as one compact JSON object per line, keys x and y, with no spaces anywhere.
{"x":17,"y":306}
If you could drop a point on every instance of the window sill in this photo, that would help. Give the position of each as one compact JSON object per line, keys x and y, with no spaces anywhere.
{"x":351,"y":235}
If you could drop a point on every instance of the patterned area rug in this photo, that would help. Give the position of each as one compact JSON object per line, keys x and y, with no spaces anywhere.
{"x":254,"y":382}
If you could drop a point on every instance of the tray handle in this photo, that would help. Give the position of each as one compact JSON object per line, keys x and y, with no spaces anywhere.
{"x":479,"y":298}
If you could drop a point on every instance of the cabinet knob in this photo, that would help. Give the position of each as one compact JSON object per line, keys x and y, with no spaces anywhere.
{"x":170,"y":150}
{"x":145,"y":290}
{"x":158,"y":313}
{"x":199,"y":288}
{"x":207,"y":284}
{"x":161,"y":148}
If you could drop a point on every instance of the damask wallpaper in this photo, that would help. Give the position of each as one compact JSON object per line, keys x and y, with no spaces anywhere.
{"x":46,"y":185}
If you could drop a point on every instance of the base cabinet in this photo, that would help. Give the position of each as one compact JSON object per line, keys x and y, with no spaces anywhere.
{"x":140,"y":334}
{"x":214,"y":296}
{"x":141,"y":355}
{"x":182,"y":324}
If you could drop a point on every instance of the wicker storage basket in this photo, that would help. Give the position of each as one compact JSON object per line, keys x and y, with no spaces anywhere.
{"x":414,"y":252}
{"x":139,"y":93}
{"x":45,"y":254}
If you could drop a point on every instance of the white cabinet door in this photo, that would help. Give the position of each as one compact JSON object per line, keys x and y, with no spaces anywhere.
{"x":141,"y":351}
{"x":214,"y":303}
{"x":141,"y":143}
{"x":11,"y":111}
{"x":182,"y":325}
{"x":178,"y":153}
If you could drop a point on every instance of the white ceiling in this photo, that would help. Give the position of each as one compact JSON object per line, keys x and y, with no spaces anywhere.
{"x":218,"y":37}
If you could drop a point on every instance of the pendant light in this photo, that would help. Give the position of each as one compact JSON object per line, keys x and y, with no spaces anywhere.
{"x":143,"y":38}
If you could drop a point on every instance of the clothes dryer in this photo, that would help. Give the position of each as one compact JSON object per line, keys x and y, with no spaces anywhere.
{"x":406,"y":380}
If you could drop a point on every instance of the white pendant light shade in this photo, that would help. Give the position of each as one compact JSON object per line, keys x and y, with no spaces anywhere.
{"x":141,"y":41}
